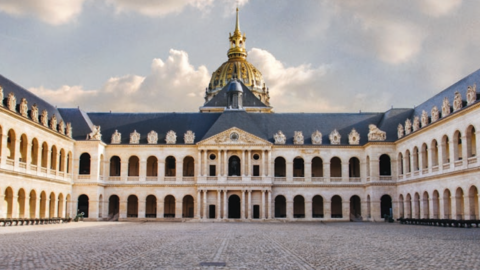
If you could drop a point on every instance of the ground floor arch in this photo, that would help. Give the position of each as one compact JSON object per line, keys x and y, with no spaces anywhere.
{"x":298,"y":207}
{"x":113,"y":207}
{"x":336,"y":207}
{"x":188,"y":207}
{"x":317,"y":207}
{"x":280,"y":207}
{"x":82,"y":205}
{"x":151,"y":206}
{"x":385,"y":205}
{"x":234,"y":207}
{"x":355,"y":208}
{"x":132,"y":206}
{"x":169,"y":207}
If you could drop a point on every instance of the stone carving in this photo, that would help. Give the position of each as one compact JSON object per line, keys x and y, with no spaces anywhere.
{"x":408,"y":127}
{"x":221,"y":138}
{"x":11,"y":101}
{"x":435,"y":114}
{"x":69,"y":130}
{"x":244,"y":137}
{"x":189,"y":137}
{"x":1,"y":96}
{"x":335,"y":137}
{"x":424,"y":118}
{"x":316,"y":137}
{"x":152,"y":137}
{"x":416,"y":123}
{"x":400,"y":131}
{"x":457,"y":101}
{"x":134,"y":137}
{"x":116,"y":137}
{"x":354,"y":137}
{"x":471,"y":94}
{"x":44,"y":118}
{"x":445,"y":107}
{"x":171,"y":137}
{"x":61,"y":127}
{"x":24,"y":107}
{"x":280,"y":138}
{"x":375,"y":134}
{"x":95,"y":134}
{"x":298,"y":137}
{"x":53,"y":123}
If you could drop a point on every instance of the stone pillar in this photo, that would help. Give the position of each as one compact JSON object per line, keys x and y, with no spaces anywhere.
{"x":466,"y":204}
{"x":422,"y":208}
{"x":363,"y":209}
{"x":199,"y":204}
{"x":249,"y":212}
{"x":47,"y":206}
{"x":244,"y":164}
{"x":289,"y":208}
{"x":3,"y":211}
{"x":141,"y":208}
{"x":15,"y":206}
{"x":123,"y":208}
{"x":431,"y":212}
{"x":26,"y":208}
{"x":179,"y":171}
{"x":160,"y":205}
{"x":308,"y":171}
{"x":376,"y":211}
{"x":453,"y":208}
{"x":289,"y":170}
{"x":308,"y":209}
{"x":441,"y":207}
{"x":262,"y":207}
{"x":123,"y":169}
{"x":242,"y":215}
{"x":28,"y":153}
{"x":198,"y":164}
{"x":205,"y":216}
{"x":345,"y":170}
{"x":327,"y":209}
{"x":326,"y":171}
{"x":270,"y":168}
{"x":429,"y":159}
{"x":178,"y":208}
{"x":219,"y":163}
{"x":49,"y":160}
{"x":18,"y":155}
{"x":420,"y":160}
{"x":219,"y":202}
{"x":451,"y":146}
{"x":3,"y":158}
{"x":225,"y":163}
{"x":205,"y":162}
{"x":37,"y":207}
{"x":346,"y":209}
{"x":464,"y":152}
{"x":161,"y":168}
{"x":270,"y":205}
{"x":225,"y":203}
{"x":249,"y":167}
{"x":264,"y":165}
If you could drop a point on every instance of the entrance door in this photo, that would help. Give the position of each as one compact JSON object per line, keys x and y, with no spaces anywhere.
{"x":256,"y":211}
{"x":211,"y":211}
{"x":234,"y":207}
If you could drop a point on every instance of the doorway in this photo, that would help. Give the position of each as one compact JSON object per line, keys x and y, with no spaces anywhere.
{"x":234,"y":207}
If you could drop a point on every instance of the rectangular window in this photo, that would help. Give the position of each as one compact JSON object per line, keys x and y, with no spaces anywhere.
{"x":213,"y":171}
{"x":256,"y":170}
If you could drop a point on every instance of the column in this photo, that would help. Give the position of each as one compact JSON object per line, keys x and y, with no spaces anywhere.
{"x":453,"y":209}
{"x":179,"y":170}
{"x":47,"y":206}
{"x":429,"y":159}
{"x":205,"y":216}
{"x":327,"y":208}
{"x":49,"y":160}
{"x":326,"y":171}
{"x":55,"y":209}
{"x":270,"y":165}
{"x":242,"y":213}
{"x":28,"y":153}
{"x":249,"y":212}
{"x":37,"y":208}
{"x":464,"y":152}
{"x":451,"y":146}
{"x":18,"y":155}
{"x":466,"y":203}
{"x":263,"y":166}
{"x":160,"y":205}
{"x":199,"y":204}
{"x":123,"y":208}
{"x":219,"y":159}
{"x":422,"y":208}
{"x":225,"y":163}
{"x":205,"y":163}
{"x":4,"y":154}
{"x":375,"y":208}
{"x":289,"y":203}
{"x":363,"y":208}
{"x":26,"y":212}
{"x":430,"y":208}
{"x":421,"y":153}
{"x":346,"y":209}
{"x":123,"y":169}
{"x":198,"y":164}
{"x":308,"y":209}
{"x":262,"y":207}
{"x":441,"y":207}
{"x":178,"y":208}
{"x":244,"y":165}
{"x":225,"y":203}
{"x":141,"y":208}
{"x":15,"y":206}
{"x":270,"y":205}
{"x":249,"y":166}
{"x":346,"y":171}
{"x":289,"y":170}
{"x":219,"y":202}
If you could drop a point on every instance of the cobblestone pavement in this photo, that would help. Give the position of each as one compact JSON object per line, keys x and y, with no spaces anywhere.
{"x":268,"y":245}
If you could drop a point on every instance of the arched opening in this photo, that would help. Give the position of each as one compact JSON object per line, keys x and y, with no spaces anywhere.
{"x":416,"y":167}
{"x":459,"y":203}
{"x":317,"y":167}
{"x":51,"y":212}
{"x":44,"y":155}
{"x":354,"y":167}
{"x":434,"y":147}
{"x":34,"y":152}
{"x":473,"y":199}
{"x":280,"y":207}
{"x":152,"y":166}
{"x":424,"y":156}
{"x":113,"y":207}
{"x":408,"y":164}
{"x":169,"y":207}
{"x":21,"y":203}
{"x":188,"y":207}
{"x":447,"y":204}
{"x":83,"y":205}
{"x":234,"y":166}
{"x":298,"y":167}
{"x":471,"y":142}
{"x":416,"y":205}
{"x":317,"y":206}
{"x":336,"y":207}
{"x":400,"y":164}
{"x":43,"y":204}
{"x":133,"y":166}
{"x":335,"y":167}
{"x":280,"y":167}
{"x":355,"y":208}
{"x":151,"y":207}
{"x":426,"y":205}
{"x":53,"y":158}
{"x":61,"y":160}
{"x":409,"y":206}
{"x":8,"y":202}
{"x":100,"y":206}
{"x":188,"y":166}
{"x":457,"y":146}
{"x":385,"y":205}
{"x":84,"y":164}
{"x":298,"y":207}
{"x":234,"y":207}
{"x":401,"y":205}
{"x":445,"y":150}
{"x":23,"y":148}
{"x":132,"y":206}
{"x":115,"y":166}
{"x":385,"y":165}
{"x":11,"y":139}
{"x":33,"y":204}
{"x":170,"y":166}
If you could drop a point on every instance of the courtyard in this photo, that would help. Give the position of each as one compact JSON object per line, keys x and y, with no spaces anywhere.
{"x":238,"y":245}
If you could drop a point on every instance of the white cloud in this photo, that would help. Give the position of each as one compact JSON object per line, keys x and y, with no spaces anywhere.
{"x":439,"y":8}
{"x":54,"y":12}
{"x":157,"y":8}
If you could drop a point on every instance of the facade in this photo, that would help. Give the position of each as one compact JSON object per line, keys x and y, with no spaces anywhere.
{"x":237,"y":159}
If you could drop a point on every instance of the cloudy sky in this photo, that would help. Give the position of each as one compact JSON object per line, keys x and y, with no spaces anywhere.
{"x":316,"y":56}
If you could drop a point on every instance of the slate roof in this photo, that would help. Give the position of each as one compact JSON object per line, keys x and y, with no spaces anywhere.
{"x":81,"y":123}
{"x":249,"y":99}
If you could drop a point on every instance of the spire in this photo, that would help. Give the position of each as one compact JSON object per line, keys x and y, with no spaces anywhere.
{"x":237,"y":25}
{"x":237,"y":42}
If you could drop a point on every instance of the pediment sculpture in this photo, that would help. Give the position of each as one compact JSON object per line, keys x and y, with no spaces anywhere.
{"x":457,"y":101}
{"x":95,"y":134}
{"x":246,"y":138}
{"x":221,"y":138}
{"x":53,"y":123}
{"x":24,"y":107}
{"x":134,"y":137}
{"x":317,"y":137}
{"x":298,"y":137}
{"x":116,"y":137}
{"x":61,"y":127}
{"x":471,"y":94}
{"x":445,"y":107}
{"x":424,"y":118}
{"x":189,"y":137}
{"x":171,"y":137}
{"x":280,"y":138}
{"x":152,"y":137}
{"x":435,"y":114}
{"x":335,"y":137}
{"x":416,"y":123}
{"x":68,"y":130}
{"x":375,"y":134}
{"x":11,"y":101}
{"x":44,"y":118}
{"x":354,"y":137}
{"x":1,"y":96}
{"x":408,"y":127}
{"x":400,"y":131}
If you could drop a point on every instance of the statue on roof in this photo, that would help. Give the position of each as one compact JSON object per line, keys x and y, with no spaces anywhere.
{"x":445,"y":107}
{"x":11,"y":101}
{"x":134,"y":137}
{"x":44,"y":118}
{"x":471,"y":94}
{"x":68,"y":131}
{"x":298,"y":137}
{"x":1,"y":96}
{"x":116,"y":137}
{"x":354,"y":137}
{"x":152,"y":137}
{"x":279,"y":138}
{"x":24,"y":107}
{"x":435,"y":114}
{"x":416,"y":123}
{"x":335,"y":137}
{"x":408,"y":127}
{"x":95,"y":135}
{"x":317,"y":137}
{"x":171,"y":137}
{"x":189,"y":137}
{"x":375,"y":134}
{"x":457,"y":101}
{"x":53,"y":123}
{"x":400,"y":131}
{"x":424,"y":118}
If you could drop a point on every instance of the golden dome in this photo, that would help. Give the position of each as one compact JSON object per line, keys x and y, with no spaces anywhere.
{"x":237,"y":67}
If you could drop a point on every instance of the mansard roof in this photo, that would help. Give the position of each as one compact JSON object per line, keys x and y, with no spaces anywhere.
{"x":20,"y":92}
{"x":249,"y":99}
{"x":82,"y":125}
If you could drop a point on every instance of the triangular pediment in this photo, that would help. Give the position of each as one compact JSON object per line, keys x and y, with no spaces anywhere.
{"x":234,"y":136}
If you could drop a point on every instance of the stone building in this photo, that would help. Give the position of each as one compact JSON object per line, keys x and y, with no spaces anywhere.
{"x":237,"y":159}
